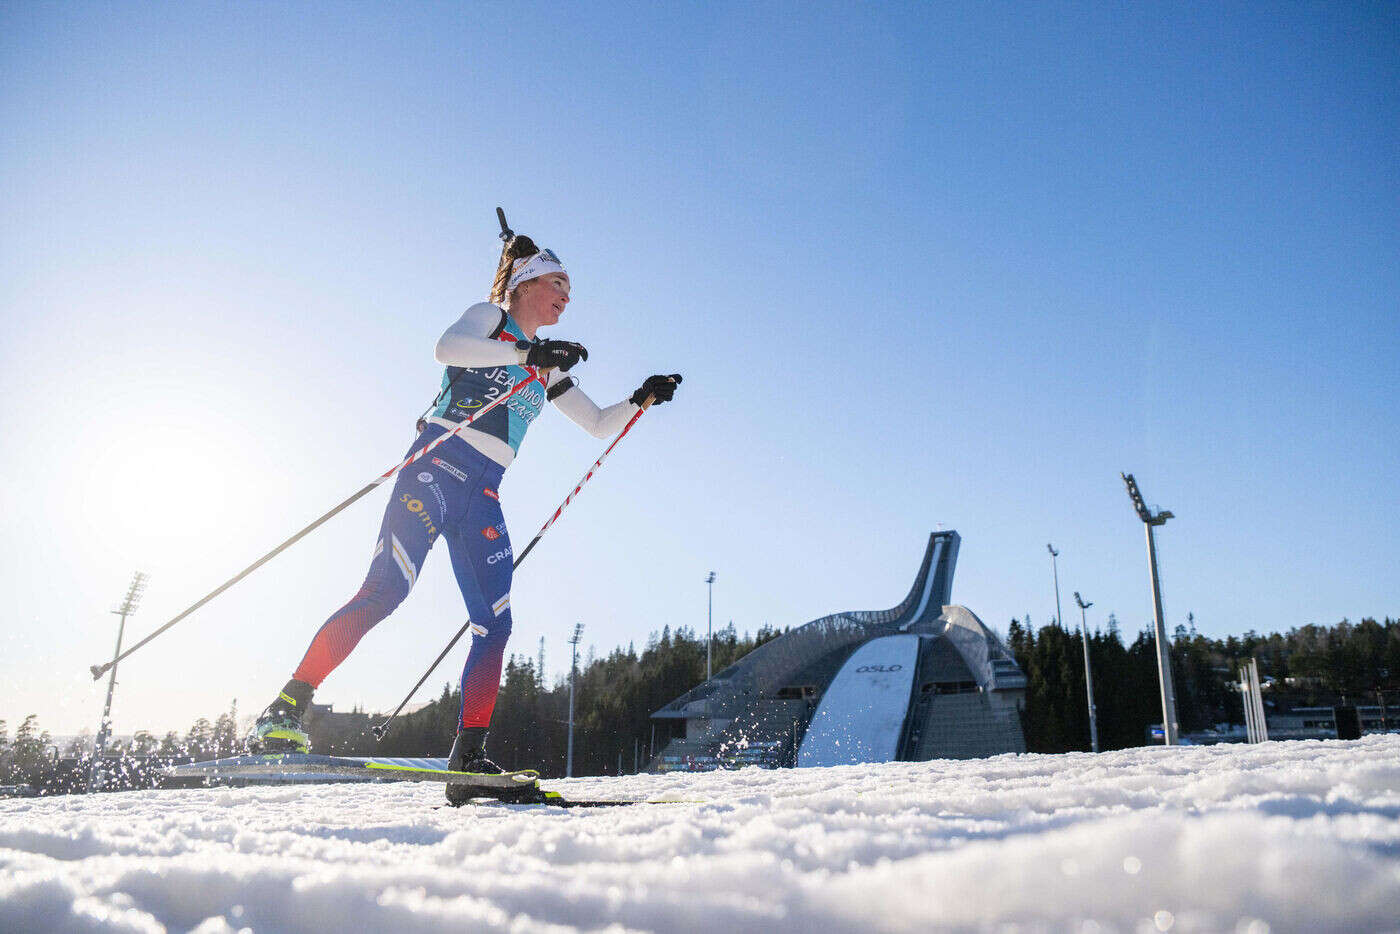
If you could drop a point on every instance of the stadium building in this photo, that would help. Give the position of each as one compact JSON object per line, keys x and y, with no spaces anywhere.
{"x":923,"y":680}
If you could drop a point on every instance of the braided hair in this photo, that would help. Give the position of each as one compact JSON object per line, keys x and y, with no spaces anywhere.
{"x":518,"y":247}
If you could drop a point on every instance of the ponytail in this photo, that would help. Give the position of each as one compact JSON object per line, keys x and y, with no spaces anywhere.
{"x":517,"y":247}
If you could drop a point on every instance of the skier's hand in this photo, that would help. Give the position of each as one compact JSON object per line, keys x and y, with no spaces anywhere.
{"x":663,"y":388}
{"x":558,"y":354}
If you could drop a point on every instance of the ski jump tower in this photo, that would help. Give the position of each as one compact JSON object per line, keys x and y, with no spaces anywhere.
{"x":922,"y":680}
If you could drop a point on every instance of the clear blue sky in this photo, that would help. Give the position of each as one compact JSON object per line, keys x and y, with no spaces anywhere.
{"x":919,"y":264}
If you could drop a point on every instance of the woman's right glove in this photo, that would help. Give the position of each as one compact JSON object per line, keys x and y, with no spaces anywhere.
{"x":662,"y":387}
{"x":559,"y":354}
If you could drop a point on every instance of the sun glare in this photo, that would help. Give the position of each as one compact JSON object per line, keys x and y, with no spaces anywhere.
{"x":165,"y":484}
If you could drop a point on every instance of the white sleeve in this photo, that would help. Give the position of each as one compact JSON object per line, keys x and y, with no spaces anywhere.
{"x":582,"y":411}
{"x":467,"y":341}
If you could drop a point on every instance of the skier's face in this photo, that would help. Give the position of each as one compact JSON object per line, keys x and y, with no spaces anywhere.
{"x":542,"y":300}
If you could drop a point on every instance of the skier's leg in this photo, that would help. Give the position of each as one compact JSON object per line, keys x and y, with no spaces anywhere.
{"x":482,"y":559}
{"x":411,"y":524}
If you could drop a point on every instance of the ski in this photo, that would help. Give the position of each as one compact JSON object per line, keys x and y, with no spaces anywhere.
{"x":293,"y":768}
{"x":508,"y":788}
{"x":555,"y":799}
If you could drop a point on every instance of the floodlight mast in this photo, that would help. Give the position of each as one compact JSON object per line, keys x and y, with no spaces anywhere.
{"x":1088,"y":673}
{"x":573,"y":677}
{"x":1055,"y":566}
{"x":1150,"y":520}
{"x":128,"y":606}
{"x":709,"y":623}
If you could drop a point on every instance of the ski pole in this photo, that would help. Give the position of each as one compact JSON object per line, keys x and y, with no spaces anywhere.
{"x":539,"y":375}
{"x":586,"y":477}
{"x":380,"y":730}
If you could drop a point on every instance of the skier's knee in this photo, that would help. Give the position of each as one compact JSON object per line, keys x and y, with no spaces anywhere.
{"x":381,"y":598}
{"x":494,"y":631}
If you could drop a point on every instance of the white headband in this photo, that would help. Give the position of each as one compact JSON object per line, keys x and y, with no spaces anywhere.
{"x":532,"y":267}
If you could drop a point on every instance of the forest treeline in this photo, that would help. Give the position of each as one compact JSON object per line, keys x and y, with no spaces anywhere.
{"x":32,"y":752}
{"x":617,"y":693}
{"x":1311,"y":665}
{"x":1307,"y":666}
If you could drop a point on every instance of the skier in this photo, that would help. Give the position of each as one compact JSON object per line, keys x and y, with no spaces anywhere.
{"x":454,"y":493}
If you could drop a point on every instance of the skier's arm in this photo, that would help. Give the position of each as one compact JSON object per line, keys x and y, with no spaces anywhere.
{"x":467,"y":341}
{"x":584,"y":412}
{"x":604,"y":423}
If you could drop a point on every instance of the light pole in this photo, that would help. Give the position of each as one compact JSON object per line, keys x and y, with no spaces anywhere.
{"x":128,"y":606}
{"x":1055,"y":566}
{"x":1151,"y":520}
{"x":710,"y":624}
{"x":1088,"y":674}
{"x":573,"y":677}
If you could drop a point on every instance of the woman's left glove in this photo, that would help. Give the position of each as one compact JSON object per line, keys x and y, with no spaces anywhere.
{"x":662,"y":387}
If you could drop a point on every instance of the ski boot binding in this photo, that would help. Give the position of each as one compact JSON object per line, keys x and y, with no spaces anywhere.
{"x":278,"y":728}
{"x":469,"y":755}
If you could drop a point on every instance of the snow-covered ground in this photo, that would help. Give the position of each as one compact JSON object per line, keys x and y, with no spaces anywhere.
{"x":1301,"y":836}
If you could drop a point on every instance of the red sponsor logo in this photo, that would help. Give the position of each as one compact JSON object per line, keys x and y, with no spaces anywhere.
{"x":490,"y":533}
{"x":491,"y":493}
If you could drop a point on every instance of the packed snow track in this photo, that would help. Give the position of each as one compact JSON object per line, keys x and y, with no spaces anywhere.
{"x":1279,"y":837}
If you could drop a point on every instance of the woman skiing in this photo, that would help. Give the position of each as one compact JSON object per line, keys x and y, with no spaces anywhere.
{"x":453,"y":493}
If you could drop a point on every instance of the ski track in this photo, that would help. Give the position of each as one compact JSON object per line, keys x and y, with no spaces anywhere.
{"x":1279,"y":837}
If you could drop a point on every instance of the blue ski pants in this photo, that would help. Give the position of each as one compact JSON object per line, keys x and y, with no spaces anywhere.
{"x":452,"y":493}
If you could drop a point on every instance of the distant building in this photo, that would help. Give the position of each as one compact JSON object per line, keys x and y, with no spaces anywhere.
{"x":923,"y":680}
{"x":1297,"y":723}
{"x":1321,"y":722}
{"x":333,"y":731}
{"x":325,"y":717}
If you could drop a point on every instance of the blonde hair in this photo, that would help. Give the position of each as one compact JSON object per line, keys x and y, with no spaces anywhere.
{"x":519,"y":247}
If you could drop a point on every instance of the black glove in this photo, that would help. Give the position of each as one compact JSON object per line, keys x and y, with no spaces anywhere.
{"x":559,"y":354}
{"x":662,"y":387}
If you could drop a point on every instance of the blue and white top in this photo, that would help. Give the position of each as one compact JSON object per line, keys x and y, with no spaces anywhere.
{"x":483,"y":364}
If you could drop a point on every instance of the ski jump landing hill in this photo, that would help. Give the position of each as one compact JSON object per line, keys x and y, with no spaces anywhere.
{"x":923,"y":680}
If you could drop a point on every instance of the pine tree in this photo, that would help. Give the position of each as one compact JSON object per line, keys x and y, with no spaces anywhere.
{"x":30,"y":746}
{"x":224,"y":736}
{"x":199,"y":741}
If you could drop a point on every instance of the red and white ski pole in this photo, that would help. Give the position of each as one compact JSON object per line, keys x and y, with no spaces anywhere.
{"x":586,"y":477}
{"x":380,"y":730}
{"x":536,"y":376}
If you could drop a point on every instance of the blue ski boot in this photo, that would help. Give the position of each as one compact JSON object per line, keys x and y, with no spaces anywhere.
{"x":278,"y":728}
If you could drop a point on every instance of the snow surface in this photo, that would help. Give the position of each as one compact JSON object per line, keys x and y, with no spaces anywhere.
{"x":1297,"y":836}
